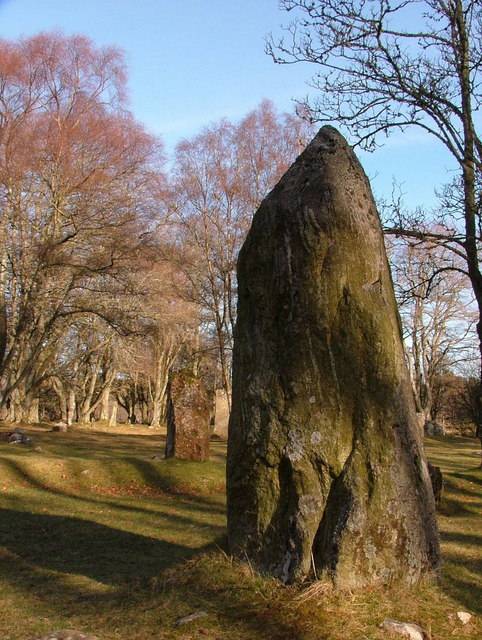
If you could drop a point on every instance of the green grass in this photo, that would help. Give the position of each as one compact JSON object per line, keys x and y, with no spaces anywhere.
{"x":97,"y":534}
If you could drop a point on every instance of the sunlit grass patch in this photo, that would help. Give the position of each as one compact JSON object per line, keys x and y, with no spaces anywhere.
{"x":99,"y":533}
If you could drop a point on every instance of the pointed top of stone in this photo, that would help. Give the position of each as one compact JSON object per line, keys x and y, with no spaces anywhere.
{"x":328,"y":157}
{"x":327,"y":138}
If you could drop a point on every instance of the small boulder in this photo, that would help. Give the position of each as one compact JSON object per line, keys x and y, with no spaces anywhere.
{"x":15,"y":438}
{"x":428,"y":429}
{"x":404,"y":629}
{"x":464,"y":617}
{"x":190,"y":618}
{"x":18,"y":437}
{"x":433,"y":429}
{"x":438,"y":429}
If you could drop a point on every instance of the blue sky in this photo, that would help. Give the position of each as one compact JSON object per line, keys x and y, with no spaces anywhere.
{"x":191,"y":62}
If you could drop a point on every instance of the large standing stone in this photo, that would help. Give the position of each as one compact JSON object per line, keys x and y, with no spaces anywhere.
{"x":187,"y":418}
{"x":325,"y":460}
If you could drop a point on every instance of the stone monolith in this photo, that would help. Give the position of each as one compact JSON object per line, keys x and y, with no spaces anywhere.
{"x":326,"y":470}
{"x":188,"y":413}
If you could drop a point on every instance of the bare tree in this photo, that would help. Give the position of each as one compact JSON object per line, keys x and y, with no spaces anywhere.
{"x":438,"y":319}
{"x":220,"y":178}
{"x":78,"y":183}
{"x":377,"y":74}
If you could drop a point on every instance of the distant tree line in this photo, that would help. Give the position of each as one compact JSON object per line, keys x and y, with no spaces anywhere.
{"x":114,"y":270}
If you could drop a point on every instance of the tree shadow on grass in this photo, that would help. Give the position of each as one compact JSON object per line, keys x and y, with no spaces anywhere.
{"x":463,"y":539}
{"x":472,"y":475}
{"x":49,"y":558}
{"x":463,"y":568}
{"x":454,"y":508}
{"x":451,"y":487}
{"x":77,"y":546}
{"x":465,"y":590}
{"x":186,"y":499}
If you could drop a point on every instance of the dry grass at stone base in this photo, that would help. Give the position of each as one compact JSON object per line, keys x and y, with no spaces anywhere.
{"x":98,"y":535}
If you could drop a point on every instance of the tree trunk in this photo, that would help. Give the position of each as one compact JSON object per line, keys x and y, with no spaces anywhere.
{"x":104,"y":404}
{"x":32,"y":414}
{"x":113,"y":415}
{"x":71,"y":407}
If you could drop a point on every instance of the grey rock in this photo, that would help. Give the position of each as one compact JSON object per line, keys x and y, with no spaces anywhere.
{"x":15,"y":438}
{"x":325,"y":455}
{"x":464,"y":617}
{"x":433,"y":429}
{"x":190,"y":618}
{"x":19,"y":437}
{"x":404,"y":629}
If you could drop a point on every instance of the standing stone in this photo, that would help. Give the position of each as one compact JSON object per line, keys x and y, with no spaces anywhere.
{"x":325,"y":459}
{"x":437,"y":482}
{"x":187,"y":418}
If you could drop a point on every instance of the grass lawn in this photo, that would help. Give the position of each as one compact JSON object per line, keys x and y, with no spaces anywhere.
{"x":100,"y":535}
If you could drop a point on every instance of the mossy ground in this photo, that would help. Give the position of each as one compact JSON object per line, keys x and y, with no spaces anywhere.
{"x":96,"y":534}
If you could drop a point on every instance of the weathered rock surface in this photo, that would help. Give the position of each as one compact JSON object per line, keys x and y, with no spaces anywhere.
{"x":18,"y":437}
{"x":190,"y":618}
{"x":433,"y":429}
{"x":325,"y":458}
{"x":404,"y":629}
{"x":188,"y":410}
{"x":464,"y":616}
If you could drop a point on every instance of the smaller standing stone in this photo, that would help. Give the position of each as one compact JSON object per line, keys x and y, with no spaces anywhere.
{"x":436,"y":478}
{"x":188,"y":410}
